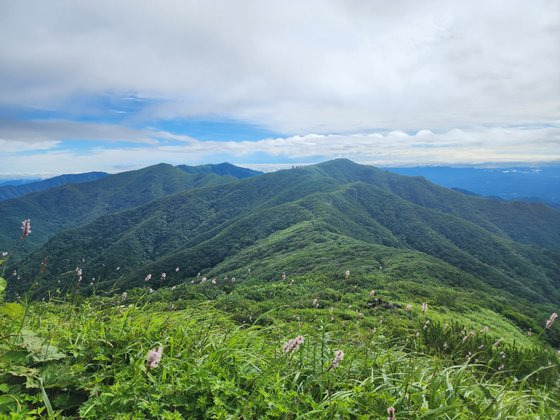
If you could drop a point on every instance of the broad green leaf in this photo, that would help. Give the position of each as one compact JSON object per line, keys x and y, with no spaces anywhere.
{"x":41,"y":351}
{"x":12,"y":310}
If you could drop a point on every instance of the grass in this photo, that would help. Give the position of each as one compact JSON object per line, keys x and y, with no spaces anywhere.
{"x":222,"y":357}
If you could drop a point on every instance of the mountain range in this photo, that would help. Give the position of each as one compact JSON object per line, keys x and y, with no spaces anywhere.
{"x":216,"y":221}
{"x":541,"y":184}
{"x":20,"y":189}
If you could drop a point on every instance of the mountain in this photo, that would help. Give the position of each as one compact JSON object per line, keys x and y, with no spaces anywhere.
{"x":401,"y":230}
{"x":14,"y":191}
{"x":519,"y":183}
{"x":18,"y":181}
{"x":69,"y":205}
{"x":224,"y":169}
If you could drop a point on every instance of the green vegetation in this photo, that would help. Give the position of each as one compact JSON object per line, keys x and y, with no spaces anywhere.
{"x":220,"y":268}
{"x":222,"y":355}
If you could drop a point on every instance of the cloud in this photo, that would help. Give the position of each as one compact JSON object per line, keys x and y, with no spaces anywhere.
{"x":293,"y":67}
{"x":456,"y":146}
{"x":42,"y":134}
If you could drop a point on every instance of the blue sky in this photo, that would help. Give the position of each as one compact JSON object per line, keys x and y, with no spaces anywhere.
{"x":267,"y":85}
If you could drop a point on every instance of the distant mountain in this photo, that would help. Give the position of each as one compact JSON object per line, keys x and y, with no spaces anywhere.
{"x":319,"y":218}
{"x":522,"y":183}
{"x":69,"y":205}
{"x":14,"y":191}
{"x":18,"y":181}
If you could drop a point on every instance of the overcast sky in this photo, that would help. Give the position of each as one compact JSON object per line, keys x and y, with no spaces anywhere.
{"x":116,"y":85}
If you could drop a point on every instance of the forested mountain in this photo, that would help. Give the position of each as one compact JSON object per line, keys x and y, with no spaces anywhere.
{"x":72,"y":204}
{"x":14,"y":191}
{"x":220,"y":267}
{"x":319,"y":218}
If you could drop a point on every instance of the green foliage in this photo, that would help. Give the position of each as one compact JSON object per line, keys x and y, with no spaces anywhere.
{"x":223,"y":357}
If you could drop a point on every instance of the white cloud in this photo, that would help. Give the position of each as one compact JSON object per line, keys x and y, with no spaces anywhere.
{"x":39,"y":134}
{"x":294,"y":67}
{"x":457,"y":146}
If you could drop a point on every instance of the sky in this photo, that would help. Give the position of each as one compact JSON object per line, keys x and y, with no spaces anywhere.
{"x":114,"y":86}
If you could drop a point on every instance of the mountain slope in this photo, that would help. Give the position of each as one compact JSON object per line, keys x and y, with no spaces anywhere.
{"x":72,"y":204}
{"x":13,"y":191}
{"x":323,"y":218}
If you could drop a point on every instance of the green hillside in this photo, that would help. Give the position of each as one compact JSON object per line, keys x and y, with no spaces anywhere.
{"x":321,"y":219}
{"x":62,"y":207}
{"x":343,"y":255}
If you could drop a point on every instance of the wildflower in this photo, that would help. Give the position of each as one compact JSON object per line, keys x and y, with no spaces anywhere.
{"x":151,"y":290}
{"x":118,"y":268}
{"x":551,"y":320}
{"x":470,"y":334}
{"x":347,"y":274}
{"x":174,"y":287}
{"x":315,"y":303}
{"x":372,"y":293}
{"x":417,"y":333}
{"x":214,"y":280}
{"x":408,"y":307}
{"x":426,"y":323}
{"x":203,"y":280}
{"x":391,"y":411}
{"x":176,"y":269}
{"x":283,"y":276}
{"x":78,"y":271}
{"x":498,"y":342}
{"x":154,"y":357}
{"x":233,"y":279}
{"x":293,"y":344}
{"x":124,"y":296}
{"x":424,"y":307}
{"x":484,"y":330}
{"x":445,"y":345}
{"x":4,"y":253}
{"x":530,"y":332}
{"x":198,"y":275}
{"x":148,"y":277}
{"x":26,"y":228}
{"x":163,"y":276}
{"x":338,"y":356}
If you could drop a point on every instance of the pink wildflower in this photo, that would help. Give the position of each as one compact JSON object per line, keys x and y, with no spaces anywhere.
{"x":293,"y":344}
{"x":26,"y":228}
{"x":338,"y":356}
{"x":391,"y":412}
{"x":154,"y":357}
{"x":550,"y":321}
{"x":424,"y":307}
